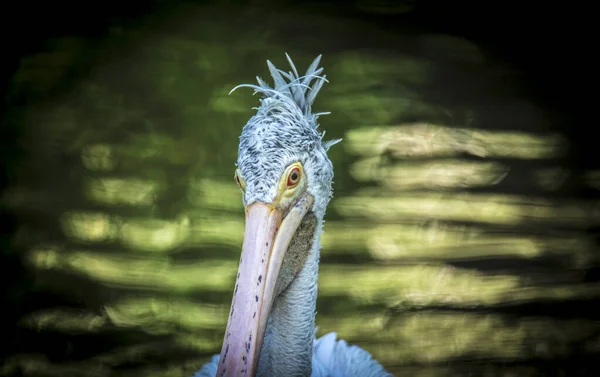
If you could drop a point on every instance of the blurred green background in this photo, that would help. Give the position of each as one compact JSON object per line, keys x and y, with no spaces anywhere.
{"x":457,"y":242}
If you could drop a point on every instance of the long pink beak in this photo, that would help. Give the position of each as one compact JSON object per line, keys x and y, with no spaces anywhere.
{"x":266,"y":240}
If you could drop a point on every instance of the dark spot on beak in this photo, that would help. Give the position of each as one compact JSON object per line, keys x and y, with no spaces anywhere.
{"x":254,"y":315}
{"x":225,"y":354}
{"x":260,"y":278}
{"x":267,"y":244}
{"x":256,"y":298}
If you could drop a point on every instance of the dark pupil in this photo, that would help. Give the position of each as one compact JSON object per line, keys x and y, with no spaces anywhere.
{"x":294,"y":176}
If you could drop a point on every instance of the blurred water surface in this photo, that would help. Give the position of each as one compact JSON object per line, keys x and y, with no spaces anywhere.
{"x":449,"y":246}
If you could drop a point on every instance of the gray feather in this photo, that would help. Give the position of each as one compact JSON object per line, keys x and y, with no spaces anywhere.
{"x":262,"y":84}
{"x":277,"y":78}
{"x":292,"y":85}
{"x":315,"y":90}
{"x":292,"y":64}
{"x":328,"y":144}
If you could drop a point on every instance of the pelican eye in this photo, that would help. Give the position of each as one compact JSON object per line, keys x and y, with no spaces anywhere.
{"x":239,"y":180}
{"x":294,"y":177}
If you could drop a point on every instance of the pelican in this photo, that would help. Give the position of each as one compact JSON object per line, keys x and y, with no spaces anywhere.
{"x":285,"y":178}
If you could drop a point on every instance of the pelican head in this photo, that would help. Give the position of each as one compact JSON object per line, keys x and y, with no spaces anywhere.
{"x":285,"y":177}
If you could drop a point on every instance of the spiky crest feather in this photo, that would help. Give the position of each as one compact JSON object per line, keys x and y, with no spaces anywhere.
{"x":296,"y":93}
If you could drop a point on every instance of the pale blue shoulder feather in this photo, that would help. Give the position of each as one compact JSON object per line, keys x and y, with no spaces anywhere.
{"x":331,"y":358}
{"x":335,"y":358}
{"x":209,"y":369}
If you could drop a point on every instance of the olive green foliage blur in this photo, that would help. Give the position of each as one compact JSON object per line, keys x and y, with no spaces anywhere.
{"x":129,"y":173}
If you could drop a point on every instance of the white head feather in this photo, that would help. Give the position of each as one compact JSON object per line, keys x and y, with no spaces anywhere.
{"x":283,"y":131}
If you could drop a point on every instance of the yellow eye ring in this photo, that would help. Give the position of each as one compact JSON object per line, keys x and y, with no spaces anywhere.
{"x":294,"y":177}
{"x":239,"y":180}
